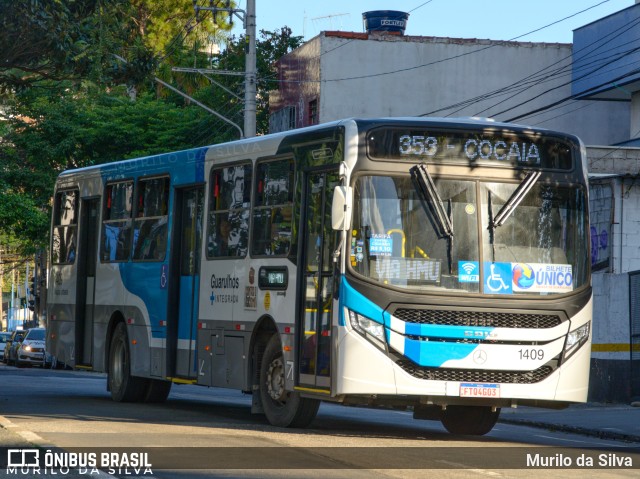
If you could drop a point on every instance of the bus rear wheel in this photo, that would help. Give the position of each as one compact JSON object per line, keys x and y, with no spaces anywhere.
{"x":123,"y":386}
{"x":282,"y":408}
{"x":469,"y":420}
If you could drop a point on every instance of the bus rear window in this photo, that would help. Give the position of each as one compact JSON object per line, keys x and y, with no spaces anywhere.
{"x":65,"y":227}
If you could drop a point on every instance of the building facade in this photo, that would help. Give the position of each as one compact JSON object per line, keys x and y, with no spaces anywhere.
{"x":606,"y":59}
{"x":341,"y":74}
{"x":614,"y":201}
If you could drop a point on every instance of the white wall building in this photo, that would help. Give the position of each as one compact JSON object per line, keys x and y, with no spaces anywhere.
{"x":340,"y":74}
{"x":614,"y":200}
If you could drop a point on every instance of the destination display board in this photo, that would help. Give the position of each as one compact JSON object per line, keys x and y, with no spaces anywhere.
{"x":487,"y":147}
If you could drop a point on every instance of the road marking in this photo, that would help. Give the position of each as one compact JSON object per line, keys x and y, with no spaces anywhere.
{"x":33,"y":438}
{"x":579,"y":441}
{"x":28,"y":436}
{"x":459,"y":465}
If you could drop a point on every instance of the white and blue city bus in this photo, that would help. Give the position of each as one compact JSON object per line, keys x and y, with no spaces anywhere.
{"x":436,"y":264}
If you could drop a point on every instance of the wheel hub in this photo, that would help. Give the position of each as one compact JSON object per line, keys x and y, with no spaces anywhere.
{"x":275,"y":380}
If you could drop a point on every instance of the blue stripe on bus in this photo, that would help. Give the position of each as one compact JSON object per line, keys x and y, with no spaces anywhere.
{"x":434,"y":354}
{"x":143,"y":281}
{"x":423,"y":353}
{"x":358,"y":303}
{"x":440,"y":331}
{"x":188,"y":308}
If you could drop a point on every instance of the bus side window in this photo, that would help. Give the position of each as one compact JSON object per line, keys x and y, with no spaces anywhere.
{"x":273,"y":208}
{"x":116,"y":222}
{"x":150,"y":225}
{"x":229,"y":204}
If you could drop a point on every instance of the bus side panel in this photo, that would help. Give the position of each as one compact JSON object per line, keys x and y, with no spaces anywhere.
{"x":100,"y":345}
{"x":146,"y":299}
{"x":362,"y":368}
{"x":109,"y":301}
{"x":62,"y":313}
{"x":574,"y":373}
{"x":224,"y":326}
{"x":63,"y":334}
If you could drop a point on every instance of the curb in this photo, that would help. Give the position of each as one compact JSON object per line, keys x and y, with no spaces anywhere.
{"x":618,"y":436}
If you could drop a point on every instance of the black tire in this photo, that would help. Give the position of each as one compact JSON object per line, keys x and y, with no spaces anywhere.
{"x":282,"y":408}
{"x":55,"y":364}
{"x":157,"y":390}
{"x":469,"y":420}
{"x":123,"y":386}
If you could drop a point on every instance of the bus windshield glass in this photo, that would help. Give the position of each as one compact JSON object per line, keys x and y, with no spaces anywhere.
{"x":398,"y":240}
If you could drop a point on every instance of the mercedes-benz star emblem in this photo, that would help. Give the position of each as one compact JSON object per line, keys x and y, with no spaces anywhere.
{"x":479,"y":357}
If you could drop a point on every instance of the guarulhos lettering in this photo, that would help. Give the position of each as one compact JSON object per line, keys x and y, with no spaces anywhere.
{"x":225,"y":283}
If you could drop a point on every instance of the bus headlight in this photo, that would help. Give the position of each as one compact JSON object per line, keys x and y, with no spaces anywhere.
{"x":575,"y":339}
{"x":368,"y":328}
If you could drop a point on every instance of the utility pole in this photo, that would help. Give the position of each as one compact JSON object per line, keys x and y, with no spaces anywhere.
{"x":250,"y":72}
{"x":3,"y":325}
{"x":248,"y":18}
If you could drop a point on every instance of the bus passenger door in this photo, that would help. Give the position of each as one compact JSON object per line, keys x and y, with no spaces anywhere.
{"x":182,"y":316}
{"x":85,"y":293}
{"x":318,"y":242}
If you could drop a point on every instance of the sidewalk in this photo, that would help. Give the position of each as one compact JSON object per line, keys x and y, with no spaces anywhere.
{"x":607,"y":421}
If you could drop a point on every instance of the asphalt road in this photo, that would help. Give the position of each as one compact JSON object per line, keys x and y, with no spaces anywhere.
{"x":213,"y":432}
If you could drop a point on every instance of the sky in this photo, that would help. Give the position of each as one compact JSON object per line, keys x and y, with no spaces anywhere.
{"x":486,"y":19}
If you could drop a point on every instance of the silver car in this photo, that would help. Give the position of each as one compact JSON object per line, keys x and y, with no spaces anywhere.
{"x":31,"y":350}
{"x":4,"y":335}
{"x":11,"y":348}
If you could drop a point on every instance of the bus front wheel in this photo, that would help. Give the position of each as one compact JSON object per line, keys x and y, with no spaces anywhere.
{"x":469,"y":420}
{"x":123,"y":386}
{"x":282,"y":408}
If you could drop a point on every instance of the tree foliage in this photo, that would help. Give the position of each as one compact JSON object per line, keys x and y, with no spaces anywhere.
{"x":66,"y":87}
{"x":73,"y":131}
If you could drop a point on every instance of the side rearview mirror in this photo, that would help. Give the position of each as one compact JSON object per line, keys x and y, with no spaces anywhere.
{"x":341,"y":208}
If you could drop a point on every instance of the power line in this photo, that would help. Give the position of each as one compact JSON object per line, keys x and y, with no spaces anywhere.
{"x":558,"y":72}
{"x":400,"y":70}
{"x":563,"y":114}
{"x":571,"y":97}
{"x":610,"y":60}
{"x":532,"y":77}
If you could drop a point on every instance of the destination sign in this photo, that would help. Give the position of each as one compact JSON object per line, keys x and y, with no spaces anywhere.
{"x":499,"y":148}
{"x":273,"y":277}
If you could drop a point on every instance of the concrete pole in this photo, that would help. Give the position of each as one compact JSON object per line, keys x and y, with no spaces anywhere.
{"x":3,"y":324}
{"x":250,"y":72}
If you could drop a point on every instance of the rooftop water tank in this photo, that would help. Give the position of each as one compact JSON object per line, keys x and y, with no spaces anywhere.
{"x":385,"y":21}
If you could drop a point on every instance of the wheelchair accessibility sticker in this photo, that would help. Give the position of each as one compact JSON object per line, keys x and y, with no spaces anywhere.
{"x":497,"y":278}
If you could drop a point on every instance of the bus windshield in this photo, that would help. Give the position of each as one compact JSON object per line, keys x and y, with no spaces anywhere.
{"x":398,"y":240}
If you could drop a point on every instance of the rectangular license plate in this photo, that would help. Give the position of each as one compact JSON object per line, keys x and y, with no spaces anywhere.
{"x":479,"y":390}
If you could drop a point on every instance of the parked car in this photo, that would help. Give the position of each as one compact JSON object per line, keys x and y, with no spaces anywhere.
{"x":31,"y":349}
{"x":4,"y":335}
{"x":12,"y":345}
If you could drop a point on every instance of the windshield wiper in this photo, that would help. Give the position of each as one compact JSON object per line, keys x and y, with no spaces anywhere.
{"x":514,"y":200}
{"x":427,"y":188}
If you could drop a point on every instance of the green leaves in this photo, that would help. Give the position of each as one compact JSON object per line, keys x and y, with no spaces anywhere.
{"x":77,"y":89}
